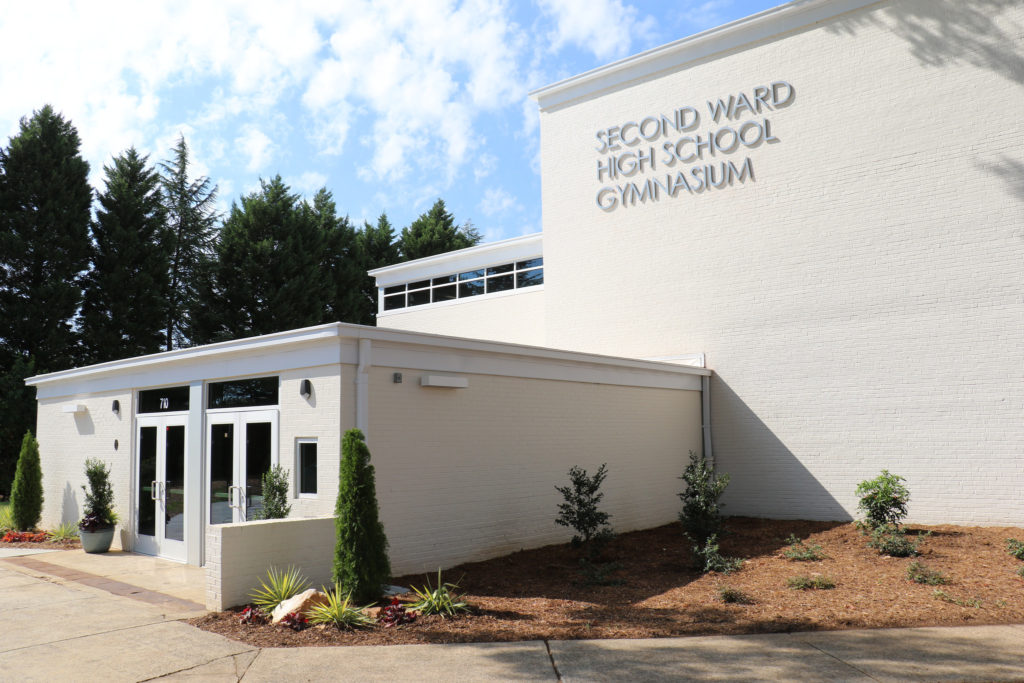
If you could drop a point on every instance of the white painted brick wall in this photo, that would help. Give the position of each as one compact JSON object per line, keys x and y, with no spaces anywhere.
{"x":861,"y":301}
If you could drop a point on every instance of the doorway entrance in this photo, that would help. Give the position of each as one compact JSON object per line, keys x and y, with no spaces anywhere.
{"x":241,"y":448}
{"x":161,"y":494}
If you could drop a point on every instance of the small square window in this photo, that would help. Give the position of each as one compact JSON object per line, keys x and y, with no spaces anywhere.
{"x":306,"y":467}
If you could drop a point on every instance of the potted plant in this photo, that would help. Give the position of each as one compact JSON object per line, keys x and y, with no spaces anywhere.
{"x":97,"y":526}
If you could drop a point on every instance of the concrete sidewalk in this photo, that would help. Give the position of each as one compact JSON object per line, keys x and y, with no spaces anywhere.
{"x":59,"y":629}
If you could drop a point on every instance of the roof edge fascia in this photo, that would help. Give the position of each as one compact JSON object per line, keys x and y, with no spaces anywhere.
{"x":771,"y":22}
{"x":447,"y":256}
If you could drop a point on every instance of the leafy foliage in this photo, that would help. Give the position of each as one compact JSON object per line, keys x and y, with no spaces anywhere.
{"x":278,"y":587}
{"x":395,"y":614}
{"x":99,"y":497}
{"x":339,"y":612}
{"x":946,"y":597}
{"x":294,"y":621}
{"x":711,"y":560}
{"x":580,"y":509}
{"x":27,"y":491}
{"x":734,"y":596}
{"x":25,"y":537}
{"x":1015,"y":548}
{"x":68,"y":531}
{"x":919,"y":573}
{"x":361,"y":562}
{"x":883,"y":500}
{"x":701,"y":514}
{"x":891,"y":540}
{"x":439,"y":599}
{"x":275,"y":494}
{"x":253,"y":615}
{"x":6,"y":518}
{"x":816,"y":582}
{"x":801,"y":552}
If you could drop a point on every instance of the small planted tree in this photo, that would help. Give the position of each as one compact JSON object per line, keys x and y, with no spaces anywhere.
{"x":883,"y":500}
{"x":275,"y":494}
{"x":27,"y":491}
{"x":99,"y":498}
{"x":580,"y":512}
{"x":701,"y":516}
{"x":361,"y":564}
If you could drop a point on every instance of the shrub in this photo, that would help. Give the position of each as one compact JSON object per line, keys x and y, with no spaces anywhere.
{"x":361,"y":562}
{"x":294,"y":621}
{"x":816,"y":582}
{"x":580,"y":512}
{"x":918,"y":573}
{"x":278,"y":587}
{"x":275,"y":494}
{"x":339,"y":612}
{"x":701,"y":516}
{"x":99,"y":497}
{"x":253,"y":615}
{"x":27,"y":490}
{"x":711,"y":560}
{"x":734,"y":596}
{"x":883,"y":500}
{"x":440,"y":600}
{"x":1015,"y":548}
{"x":891,"y":540}
{"x":800,"y":552}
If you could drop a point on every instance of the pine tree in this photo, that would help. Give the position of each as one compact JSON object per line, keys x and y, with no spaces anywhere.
{"x":376,"y":247}
{"x":27,"y":492}
{"x":125,"y":305}
{"x":191,"y":219}
{"x":17,"y":414}
{"x":361,"y":562}
{"x":340,"y":263}
{"x":267,"y":274}
{"x":435,"y":232}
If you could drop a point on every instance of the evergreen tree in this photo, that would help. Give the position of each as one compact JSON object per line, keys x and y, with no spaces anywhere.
{"x":435,"y":232}
{"x":376,"y":247}
{"x":267,"y":275}
{"x":27,"y":492}
{"x":124,"y":311}
{"x":44,"y":247}
{"x":340,"y":263}
{"x":191,"y":221}
{"x":361,"y":562}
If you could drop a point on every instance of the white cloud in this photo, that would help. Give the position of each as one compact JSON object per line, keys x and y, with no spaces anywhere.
{"x":308,"y":183}
{"x":255,"y":145}
{"x":603,"y":27}
{"x":498,"y":201}
{"x":484,"y":165}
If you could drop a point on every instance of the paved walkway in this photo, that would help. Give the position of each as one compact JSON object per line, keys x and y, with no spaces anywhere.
{"x":61,"y":623}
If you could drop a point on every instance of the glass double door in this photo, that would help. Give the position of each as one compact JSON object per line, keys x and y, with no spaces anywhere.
{"x":160,"y":492}
{"x":241,"y":448}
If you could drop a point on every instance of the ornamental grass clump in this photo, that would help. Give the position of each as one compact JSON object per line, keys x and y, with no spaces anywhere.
{"x":361,"y":563}
{"x":440,"y":599}
{"x":278,"y":587}
{"x":339,"y":611}
{"x":27,"y":490}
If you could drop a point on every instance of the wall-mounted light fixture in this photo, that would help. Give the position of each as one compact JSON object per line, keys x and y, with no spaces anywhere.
{"x":74,"y":408}
{"x":396,"y":378}
{"x":306,"y":389}
{"x":116,"y":407}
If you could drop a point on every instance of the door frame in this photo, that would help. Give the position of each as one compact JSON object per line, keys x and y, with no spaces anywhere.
{"x":158,"y":544}
{"x":238,"y":417}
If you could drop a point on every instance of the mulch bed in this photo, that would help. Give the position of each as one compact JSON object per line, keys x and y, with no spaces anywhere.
{"x":46,"y":545}
{"x":539,"y":594}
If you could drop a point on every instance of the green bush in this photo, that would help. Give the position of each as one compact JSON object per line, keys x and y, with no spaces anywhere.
{"x":1015,"y":548}
{"x":361,"y":562}
{"x":891,"y":540}
{"x":709,"y":559}
{"x":734,"y":596}
{"x":275,"y":494}
{"x":701,"y":515}
{"x":27,"y":490}
{"x":918,"y":573}
{"x":816,"y":582}
{"x":278,"y":587}
{"x":883,"y":500}
{"x":580,"y":512}
{"x":801,"y":552}
{"x":99,"y":496}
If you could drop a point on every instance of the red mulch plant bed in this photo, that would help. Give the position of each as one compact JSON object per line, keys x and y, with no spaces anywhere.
{"x":539,"y":594}
{"x":39,"y":539}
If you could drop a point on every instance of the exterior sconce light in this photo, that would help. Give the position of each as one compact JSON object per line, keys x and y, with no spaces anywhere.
{"x":116,"y":407}
{"x":306,"y":389}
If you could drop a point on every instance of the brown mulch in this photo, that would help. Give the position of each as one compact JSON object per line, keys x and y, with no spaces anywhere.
{"x":538,"y":594}
{"x":70,"y":544}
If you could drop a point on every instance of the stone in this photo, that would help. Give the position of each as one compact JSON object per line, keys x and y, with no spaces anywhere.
{"x":301,"y":603}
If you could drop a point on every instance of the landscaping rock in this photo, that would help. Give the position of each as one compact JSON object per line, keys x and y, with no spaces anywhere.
{"x":301,"y":603}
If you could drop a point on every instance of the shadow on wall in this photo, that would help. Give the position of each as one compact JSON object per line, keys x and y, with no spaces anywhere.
{"x":1011,"y":172}
{"x":69,"y":506}
{"x":84,"y":424}
{"x":941,"y":32}
{"x":768,"y":480}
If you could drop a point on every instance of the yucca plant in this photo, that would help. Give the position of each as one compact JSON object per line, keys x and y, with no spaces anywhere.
{"x":278,"y":587}
{"x":68,"y":531}
{"x":439,"y":599}
{"x":339,"y":611}
{"x":6,"y":518}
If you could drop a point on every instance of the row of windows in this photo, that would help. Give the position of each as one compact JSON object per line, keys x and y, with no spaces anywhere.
{"x":501,"y":278}
{"x":238,"y":393}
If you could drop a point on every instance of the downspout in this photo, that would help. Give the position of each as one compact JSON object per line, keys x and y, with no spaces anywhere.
{"x":705,"y":414}
{"x":363,"y":387}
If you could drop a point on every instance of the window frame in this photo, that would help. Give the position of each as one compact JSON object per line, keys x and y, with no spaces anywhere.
{"x":299,"y":441}
{"x":480,"y":276}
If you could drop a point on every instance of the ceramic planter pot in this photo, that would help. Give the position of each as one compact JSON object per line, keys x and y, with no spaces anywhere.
{"x":96,"y":541}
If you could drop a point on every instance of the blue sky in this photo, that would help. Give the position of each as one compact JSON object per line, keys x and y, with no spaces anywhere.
{"x":389,"y":104}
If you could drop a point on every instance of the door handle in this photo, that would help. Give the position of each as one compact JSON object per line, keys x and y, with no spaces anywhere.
{"x":232,"y":497}
{"x":153,"y":490}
